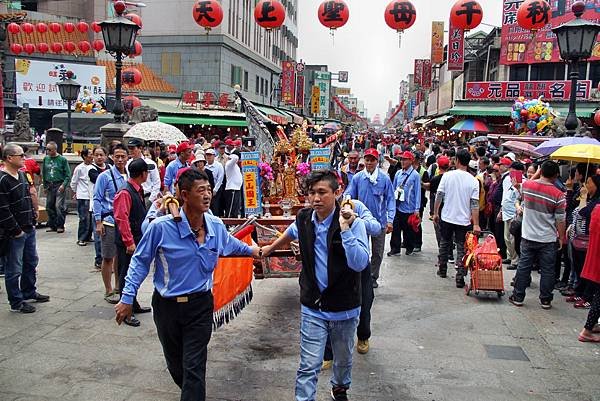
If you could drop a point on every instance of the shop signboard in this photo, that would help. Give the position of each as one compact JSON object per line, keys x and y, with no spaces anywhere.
{"x":36,"y":83}
{"x":521,"y":46}
{"x":250,"y":172}
{"x":437,"y":42}
{"x":320,"y":159}
{"x":509,"y":91}
{"x":299,"y":90}
{"x":427,"y":74}
{"x":445,"y":97}
{"x":418,"y":73}
{"x":323,"y":81}
{"x":288,"y":82}
{"x":314,"y":100}
{"x":456,"y":49}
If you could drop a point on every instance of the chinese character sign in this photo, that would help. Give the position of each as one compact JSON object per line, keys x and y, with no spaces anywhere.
{"x":320,"y":159}
{"x":37,"y":83}
{"x":314,"y":100}
{"x":509,"y":91}
{"x":323,"y":82}
{"x":288,"y":82}
{"x":520,"y":46}
{"x":456,"y":49}
{"x":426,"y":78}
{"x":418,"y":72}
{"x":300,"y":90}
{"x":250,"y":172}
{"x":437,"y":42}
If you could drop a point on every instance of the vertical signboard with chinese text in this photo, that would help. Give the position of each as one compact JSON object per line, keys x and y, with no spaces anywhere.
{"x":418,"y":73}
{"x":314,"y":101}
{"x":437,"y":42}
{"x":288,"y":82}
{"x":323,"y":81}
{"x":456,"y":49}
{"x":426,"y":78}
{"x":299,"y":90}
{"x":320,"y":159}
{"x":251,"y":174}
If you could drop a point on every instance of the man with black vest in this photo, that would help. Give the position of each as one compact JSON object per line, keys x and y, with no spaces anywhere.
{"x":335,"y":249}
{"x":130,"y":212}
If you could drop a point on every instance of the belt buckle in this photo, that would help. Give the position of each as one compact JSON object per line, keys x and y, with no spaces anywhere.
{"x":181,"y":300}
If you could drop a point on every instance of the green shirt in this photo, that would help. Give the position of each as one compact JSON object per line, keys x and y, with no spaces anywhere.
{"x":56,"y":169}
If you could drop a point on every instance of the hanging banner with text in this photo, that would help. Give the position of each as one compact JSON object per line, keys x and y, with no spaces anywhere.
{"x":418,"y":73}
{"x":250,"y":172}
{"x":456,"y":49}
{"x":300,"y":90}
{"x":323,"y":81}
{"x":288,"y":82}
{"x":437,"y":42}
{"x":520,"y":46}
{"x":549,"y":90}
{"x":427,"y":74}
{"x":320,"y":159}
{"x":36,"y":83}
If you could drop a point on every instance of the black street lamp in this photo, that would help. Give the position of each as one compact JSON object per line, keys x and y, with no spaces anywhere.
{"x":119,"y":36}
{"x":576,"y":40}
{"x":69,"y":92}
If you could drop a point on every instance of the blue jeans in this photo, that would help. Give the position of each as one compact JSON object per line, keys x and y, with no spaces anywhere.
{"x":313,"y":337}
{"x":55,"y":205}
{"x":84,"y":231}
{"x":545,"y":254}
{"x":19,"y":271}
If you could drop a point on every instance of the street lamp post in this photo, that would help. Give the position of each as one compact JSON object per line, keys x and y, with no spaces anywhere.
{"x":119,"y":36}
{"x":576,"y":40}
{"x":69,"y":92}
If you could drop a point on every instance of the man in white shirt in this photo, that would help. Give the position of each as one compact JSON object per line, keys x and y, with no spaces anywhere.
{"x":459,"y":193}
{"x":82,"y":191}
{"x":218,"y":172}
{"x":152,"y":185}
{"x":233,"y":186}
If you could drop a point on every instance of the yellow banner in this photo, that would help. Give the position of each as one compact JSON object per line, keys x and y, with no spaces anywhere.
{"x":437,"y":42}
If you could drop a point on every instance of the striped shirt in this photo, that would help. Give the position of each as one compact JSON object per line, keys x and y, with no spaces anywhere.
{"x":16,"y":207}
{"x":543,"y":207}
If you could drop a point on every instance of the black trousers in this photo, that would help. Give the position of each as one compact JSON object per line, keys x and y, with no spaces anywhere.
{"x":123,"y":260}
{"x":216,"y":204}
{"x":498,"y":230}
{"x":184,"y":330}
{"x":400,"y":228}
{"x":233,"y":202}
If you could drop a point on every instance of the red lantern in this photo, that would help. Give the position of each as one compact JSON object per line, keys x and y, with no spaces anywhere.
{"x":131,"y":102}
{"x":136,"y":19}
{"x":13,"y":28}
{"x":69,"y":27}
{"x":137,"y":50}
{"x":16,"y":48}
{"x":533,"y":15}
{"x":466,"y":14}
{"x":43,"y":47}
{"x":70,"y":47}
{"x":29,"y":48}
{"x":28,"y":28}
{"x":333,"y":14}
{"x":41,"y":27}
{"x":269,"y":14}
{"x":56,"y":47}
{"x":119,"y":7}
{"x":597,"y":118}
{"x":207,"y":14}
{"x":82,"y":26}
{"x":54,"y":27}
{"x":84,"y":46}
{"x":400,"y":15}
{"x":98,"y":45}
{"x":96,"y":27}
{"x":131,"y":76}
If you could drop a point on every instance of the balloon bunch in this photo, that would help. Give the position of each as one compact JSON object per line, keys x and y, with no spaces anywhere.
{"x":531,"y":116}
{"x":88,"y":105}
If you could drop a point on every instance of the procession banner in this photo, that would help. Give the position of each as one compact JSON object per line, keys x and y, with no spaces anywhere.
{"x":520,"y":46}
{"x":251,"y":173}
{"x":456,"y":49}
{"x":418,"y":73}
{"x":288,"y":82}
{"x":437,"y":42}
{"x":323,"y":81}
{"x":549,"y":90}
{"x":36,"y":83}
{"x":427,"y":74}
{"x":320,"y":159}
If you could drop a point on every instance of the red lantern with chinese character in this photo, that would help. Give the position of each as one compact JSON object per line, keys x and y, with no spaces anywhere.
{"x":82,"y":26}
{"x":28,"y":28}
{"x":70,"y":47}
{"x":13,"y":28}
{"x":270,"y":14}
{"x":54,"y":27}
{"x":69,"y":27}
{"x":56,"y":47}
{"x":29,"y":48}
{"x":533,"y":15}
{"x":400,"y":15}
{"x":41,"y":27}
{"x":131,"y":76}
{"x":43,"y":47}
{"x":131,"y":102}
{"x":16,"y":48}
{"x":466,"y":14}
{"x":597,"y":118}
{"x":137,"y":50}
{"x":84,"y":46}
{"x":207,"y":14}
{"x":98,"y":45}
{"x":333,"y":14}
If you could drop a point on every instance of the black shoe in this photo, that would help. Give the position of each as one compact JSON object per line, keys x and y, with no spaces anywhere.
{"x":442,"y":272}
{"x":460,"y":282}
{"x":24,"y":308}
{"x":39,"y":298}
{"x":393,"y":253}
{"x":375,"y":284}
{"x":417,"y":250}
{"x":51,"y":229}
{"x":132,"y":321}
{"x":451,"y":260}
{"x":512,"y":267}
{"x":339,"y":394}
{"x":142,"y":309}
{"x":408,"y":253}
{"x":506,"y":261}
{"x":546,"y":304}
{"x":514,"y":301}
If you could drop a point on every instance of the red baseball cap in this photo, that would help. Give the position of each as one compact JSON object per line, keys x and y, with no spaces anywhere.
{"x":372,"y":152}
{"x":181,"y":171}
{"x":443,"y":161}
{"x":228,"y":141}
{"x":237,"y":142}
{"x":506,"y":161}
{"x":183,"y":146}
{"x":407,"y":155}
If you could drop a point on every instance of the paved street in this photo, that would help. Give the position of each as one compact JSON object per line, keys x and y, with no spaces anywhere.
{"x":430,"y":342}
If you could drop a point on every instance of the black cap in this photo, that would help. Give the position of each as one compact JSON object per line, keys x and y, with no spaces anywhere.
{"x":138,"y":166}
{"x":135,"y":142}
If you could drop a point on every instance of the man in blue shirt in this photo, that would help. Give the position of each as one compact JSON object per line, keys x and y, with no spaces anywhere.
{"x":185,"y":255}
{"x":407,"y":190}
{"x":334,"y":249}
{"x":184,"y":151}
{"x":107,"y":185}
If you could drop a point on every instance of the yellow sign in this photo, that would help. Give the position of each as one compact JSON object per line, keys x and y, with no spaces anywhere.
{"x":315,"y":106}
{"x":437,"y":42}
{"x":250,"y":190}
{"x":343,"y":91}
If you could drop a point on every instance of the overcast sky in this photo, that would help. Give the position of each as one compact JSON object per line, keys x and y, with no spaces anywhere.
{"x":368,"y":48}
